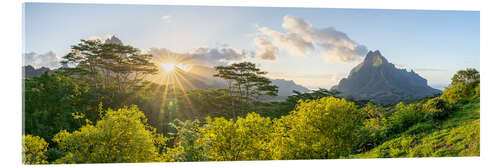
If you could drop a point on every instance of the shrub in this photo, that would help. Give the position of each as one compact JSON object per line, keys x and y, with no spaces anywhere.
{"x":33,"y":150}
{"x":371,"y":134}
{"x":186,"y":145}
{"x":465,"y":85}
{"x":404,"y":117}
{"x":373,"y":131}
{"x":317,"y":129}
{"x":437,"y":108}
{"x":245,"y":139}
{"x":51,"y":100}
{"x":120,"y":136}
{"x":53,"y":154}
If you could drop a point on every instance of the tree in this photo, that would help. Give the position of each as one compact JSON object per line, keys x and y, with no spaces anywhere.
{"x":437,"y":108}
{"x":315,"y":94}
{"x":186,"y":144}
{"x":108,"y":65}
{"x":120,"y":136}
{"x":464,"y":85}
{"x":53,"y":102}
{"x":246,"y":82}
{"x":245,"y":139}
{"x":317,"y":129}
{"x":373,"y":131}
{"x":469,"y":75}
{"x":34,"y":148}
{"x":405,"y":116}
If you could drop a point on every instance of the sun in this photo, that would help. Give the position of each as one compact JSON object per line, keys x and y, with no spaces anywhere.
{"x":168,"y":67}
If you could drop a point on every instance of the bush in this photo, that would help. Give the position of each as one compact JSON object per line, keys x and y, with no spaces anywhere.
{"x":404,"y":117}
{"x":186,"y":145}
{"x":437,"y":108}
{"x":245,"y":139}
{"x":317,"y":129}
{"x":53,"y":154}
{"x":33,"y":150}
{"x":120,"y":136}
{"x":51,"y":100}
{"x":465,"y":85}
{"x":371,"y":134}
{"x":373,"y":131}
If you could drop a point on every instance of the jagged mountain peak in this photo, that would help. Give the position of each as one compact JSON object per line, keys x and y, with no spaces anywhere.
{"x":375,"y":58}
{"x":112,"y":40}
{"x":378,"y":80}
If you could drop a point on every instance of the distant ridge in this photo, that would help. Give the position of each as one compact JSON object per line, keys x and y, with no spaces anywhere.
{"x":29,"y":71}
{"x":377,"y":80}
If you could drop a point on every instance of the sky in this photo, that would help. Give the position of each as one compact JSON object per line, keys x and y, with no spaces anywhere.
{"x":313,"y":47}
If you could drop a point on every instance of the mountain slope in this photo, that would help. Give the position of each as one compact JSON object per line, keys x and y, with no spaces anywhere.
{"x":377,"y":80}
{"x":455,"y":136}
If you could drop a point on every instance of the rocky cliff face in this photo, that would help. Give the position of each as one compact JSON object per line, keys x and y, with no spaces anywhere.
{"x":377,"y":80}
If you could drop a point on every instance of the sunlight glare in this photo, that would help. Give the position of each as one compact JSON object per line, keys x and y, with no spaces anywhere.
{"x":168,"y":67}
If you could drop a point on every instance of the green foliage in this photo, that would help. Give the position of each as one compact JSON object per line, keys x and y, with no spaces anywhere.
{"x":33,"y":150}
{"x":405,"y":116}
{"x":108,"y":65}
{"x":247,"y":83}
{"x":314,"y":125}
{"x":468,"y":75}
{"x":186,"y":144}
{"x":465,"y":85}
{"x":373,"y":131}
{"x":245,"y":139}
{"x":53,"y":154}
{"x":120,"y":136}
{"x":437,"y":108}
{"x":317,"y":129}
{"x":315,"y":94}
{"x":455,"y":136}
{"x":50,"y":103}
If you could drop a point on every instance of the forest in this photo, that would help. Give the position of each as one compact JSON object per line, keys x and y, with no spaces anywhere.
{"x":100,"y":107}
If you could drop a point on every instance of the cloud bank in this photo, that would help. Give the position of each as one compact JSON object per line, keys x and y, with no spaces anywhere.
{"x":266,"y":50}
{"x":301,"y":38}
{"x":36,"y":60}
{"x":201,"y":56}
{"x":311,"y":81}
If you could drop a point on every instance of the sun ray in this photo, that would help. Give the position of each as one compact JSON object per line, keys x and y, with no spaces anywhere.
{"x":186,"y":97}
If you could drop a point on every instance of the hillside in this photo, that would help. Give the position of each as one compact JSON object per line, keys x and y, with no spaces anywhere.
{"x":456,"y":136}
{"x":377,"y":80}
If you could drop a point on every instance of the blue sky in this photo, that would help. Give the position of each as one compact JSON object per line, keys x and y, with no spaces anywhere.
{"x":434,"y":43}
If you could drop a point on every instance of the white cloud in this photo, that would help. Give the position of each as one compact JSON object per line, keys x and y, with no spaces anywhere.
{"x":201,"y":56}
{"x":95,"y":38}
{"x":167,"y":18}
{"x":294,"y":43}
{"x":49,"y":59}
{"x":266,"y":50}
{"x":301,"y":37}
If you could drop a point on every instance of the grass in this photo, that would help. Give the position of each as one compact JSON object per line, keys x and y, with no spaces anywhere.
{"x":456,"y":136}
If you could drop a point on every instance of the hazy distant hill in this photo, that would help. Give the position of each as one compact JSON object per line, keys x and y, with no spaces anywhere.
{"x":29,"y":71}
{"x":286,"y":87}
{"x":377,"y":80}
{"x":200,"y":77}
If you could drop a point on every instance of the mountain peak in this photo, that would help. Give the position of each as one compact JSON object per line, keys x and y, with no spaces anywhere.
{"x":375,"y":58}
{"x":377,"y":80}
{"x":113,"y":40}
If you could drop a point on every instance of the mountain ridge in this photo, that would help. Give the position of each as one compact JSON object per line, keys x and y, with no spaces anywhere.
{"x":377,"y":80}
